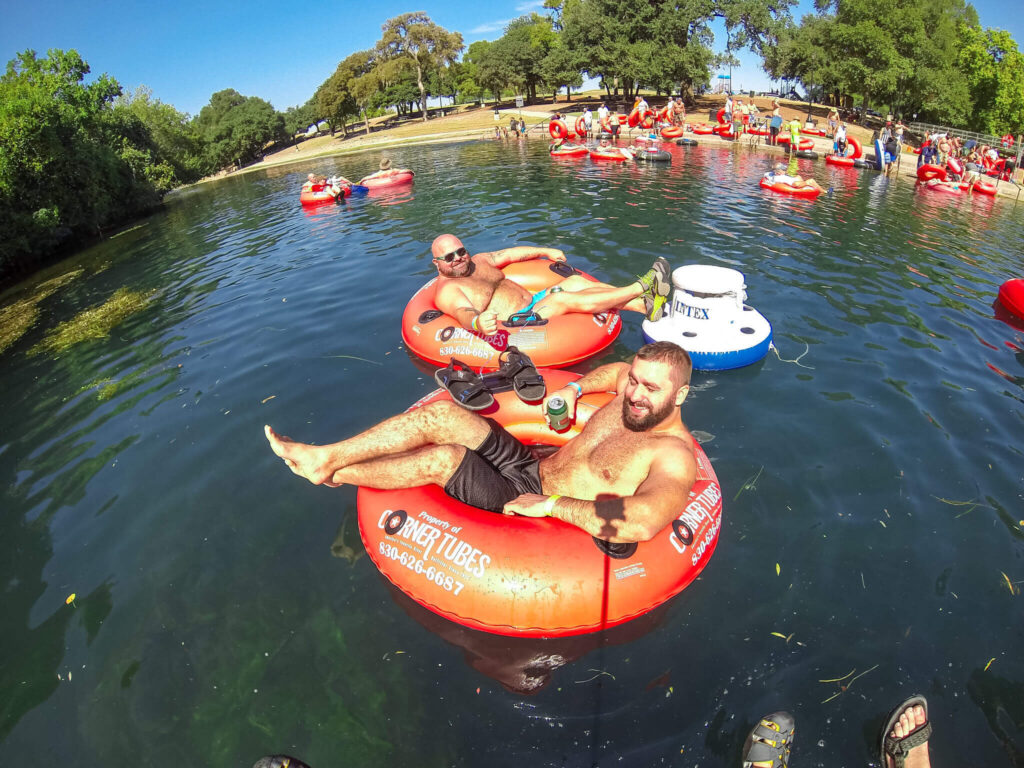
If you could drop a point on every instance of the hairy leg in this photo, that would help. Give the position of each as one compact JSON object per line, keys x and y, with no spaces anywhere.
{"x":430,"y":464}
{"x":437,"y":424}
{"x":581,"y":295}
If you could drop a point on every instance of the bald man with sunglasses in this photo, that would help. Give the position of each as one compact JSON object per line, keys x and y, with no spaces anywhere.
{"x":475,"y":291}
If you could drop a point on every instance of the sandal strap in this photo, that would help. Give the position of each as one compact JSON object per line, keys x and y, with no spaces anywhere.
{"x":457,"y":374}
{"x":529,"y":377}
{"x":512,"y":362}
{"x":899,"y":748}
{"x":759,"y":752}
{"x":469,"y":392}
{"x":765,"y":733}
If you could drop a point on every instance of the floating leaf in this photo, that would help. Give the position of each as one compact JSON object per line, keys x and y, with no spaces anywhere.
{"x":779,"y":634}
{"x":750,"y":484}
{"x":778,"y":569}
{"x":839,"y":679}
{"x":70,"y":599}
{"x":1009,"y":584}
{"x":989,"y":663}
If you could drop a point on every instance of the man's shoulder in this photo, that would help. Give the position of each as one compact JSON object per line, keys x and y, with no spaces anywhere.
{"x":674,"y":449}
{"x":442,"y":286}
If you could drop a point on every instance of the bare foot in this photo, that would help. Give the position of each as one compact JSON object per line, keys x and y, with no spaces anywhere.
{"x":911,"y":719}
{"x":308,"y":461}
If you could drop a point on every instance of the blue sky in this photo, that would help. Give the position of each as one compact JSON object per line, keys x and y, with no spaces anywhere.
{"x":189,"y":49}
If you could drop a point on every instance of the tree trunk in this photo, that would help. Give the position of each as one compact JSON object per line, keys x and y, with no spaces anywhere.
{"x":423,"y":91}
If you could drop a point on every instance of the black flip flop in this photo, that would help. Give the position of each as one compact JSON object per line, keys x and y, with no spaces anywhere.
{"x":898,"y":749}
{"x":464,"y":385}
{"x":526,"y":382}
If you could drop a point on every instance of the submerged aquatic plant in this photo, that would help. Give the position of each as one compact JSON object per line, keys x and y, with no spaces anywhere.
{"x":15,"y":320}
{"x":94,"y":323}
{"x":18,"y":316}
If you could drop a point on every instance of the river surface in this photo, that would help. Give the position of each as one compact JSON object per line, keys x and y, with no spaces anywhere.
{"x":872,"y":473}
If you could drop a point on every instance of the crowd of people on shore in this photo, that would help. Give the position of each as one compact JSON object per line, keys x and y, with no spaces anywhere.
{"x":964,"y":162}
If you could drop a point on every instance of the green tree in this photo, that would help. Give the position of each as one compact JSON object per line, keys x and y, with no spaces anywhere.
{"x":69,"y":166}
{"x":640,"y":43}
{"x":236,"y":128}
{"x":396,"y":86}
{"x":492,"y":72}
{"x":994,"y":71}
{"x":427,"y":46}
{"x":561,"y":67}
{"x":298,"y":119}
{"x":171,"y":137}
{"x":901,"y":53}
{"x":334,"y":99}
{"x":468,"y":82}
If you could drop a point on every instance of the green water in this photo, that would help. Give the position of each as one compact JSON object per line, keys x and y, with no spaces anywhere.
{"x":225,"y":609}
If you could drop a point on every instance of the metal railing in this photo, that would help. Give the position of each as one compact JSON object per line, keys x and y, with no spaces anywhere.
{"x":980,"y":138}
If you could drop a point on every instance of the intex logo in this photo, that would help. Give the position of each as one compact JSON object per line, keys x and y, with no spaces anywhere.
{"x":697,"y":313}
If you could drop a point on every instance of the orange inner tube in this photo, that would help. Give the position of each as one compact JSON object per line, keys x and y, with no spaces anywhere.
{"x":533,"y":577}
{"x":564,"y":340}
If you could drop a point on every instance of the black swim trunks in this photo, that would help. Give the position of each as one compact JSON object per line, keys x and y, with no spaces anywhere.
{"x":496,"y":472}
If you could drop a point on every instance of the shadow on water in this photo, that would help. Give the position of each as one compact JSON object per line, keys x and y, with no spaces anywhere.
{"x":872,"y":488}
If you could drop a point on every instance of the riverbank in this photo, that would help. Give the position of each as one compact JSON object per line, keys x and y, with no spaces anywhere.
{"x":466,"y":122}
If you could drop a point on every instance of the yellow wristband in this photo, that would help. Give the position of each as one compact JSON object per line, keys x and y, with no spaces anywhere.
{"x":549,"y":505}
{"x":472,"y":323}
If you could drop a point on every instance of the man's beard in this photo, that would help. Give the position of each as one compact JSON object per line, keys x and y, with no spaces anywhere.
{"x":643,"y":423}
{"x":463,"y":270}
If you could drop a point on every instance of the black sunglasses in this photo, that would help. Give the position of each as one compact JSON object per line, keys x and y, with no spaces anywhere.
{"x":448,"y":258}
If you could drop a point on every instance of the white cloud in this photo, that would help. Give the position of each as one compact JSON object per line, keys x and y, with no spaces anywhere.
{"x":490,"y":26}
{"x":524,"y":7}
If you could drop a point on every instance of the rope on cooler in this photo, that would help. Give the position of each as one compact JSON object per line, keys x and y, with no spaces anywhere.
{"x":797,"y":360}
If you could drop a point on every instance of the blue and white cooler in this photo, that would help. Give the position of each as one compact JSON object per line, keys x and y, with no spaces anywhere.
{"x":707,"y":318}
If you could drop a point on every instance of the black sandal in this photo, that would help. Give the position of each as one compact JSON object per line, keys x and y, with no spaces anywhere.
{"x":526,"y":381}
{"x":464,"y":385}
{"x":896,"y":748}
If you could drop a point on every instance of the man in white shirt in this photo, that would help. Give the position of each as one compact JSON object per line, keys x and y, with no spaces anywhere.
{"x":839,"y":145}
